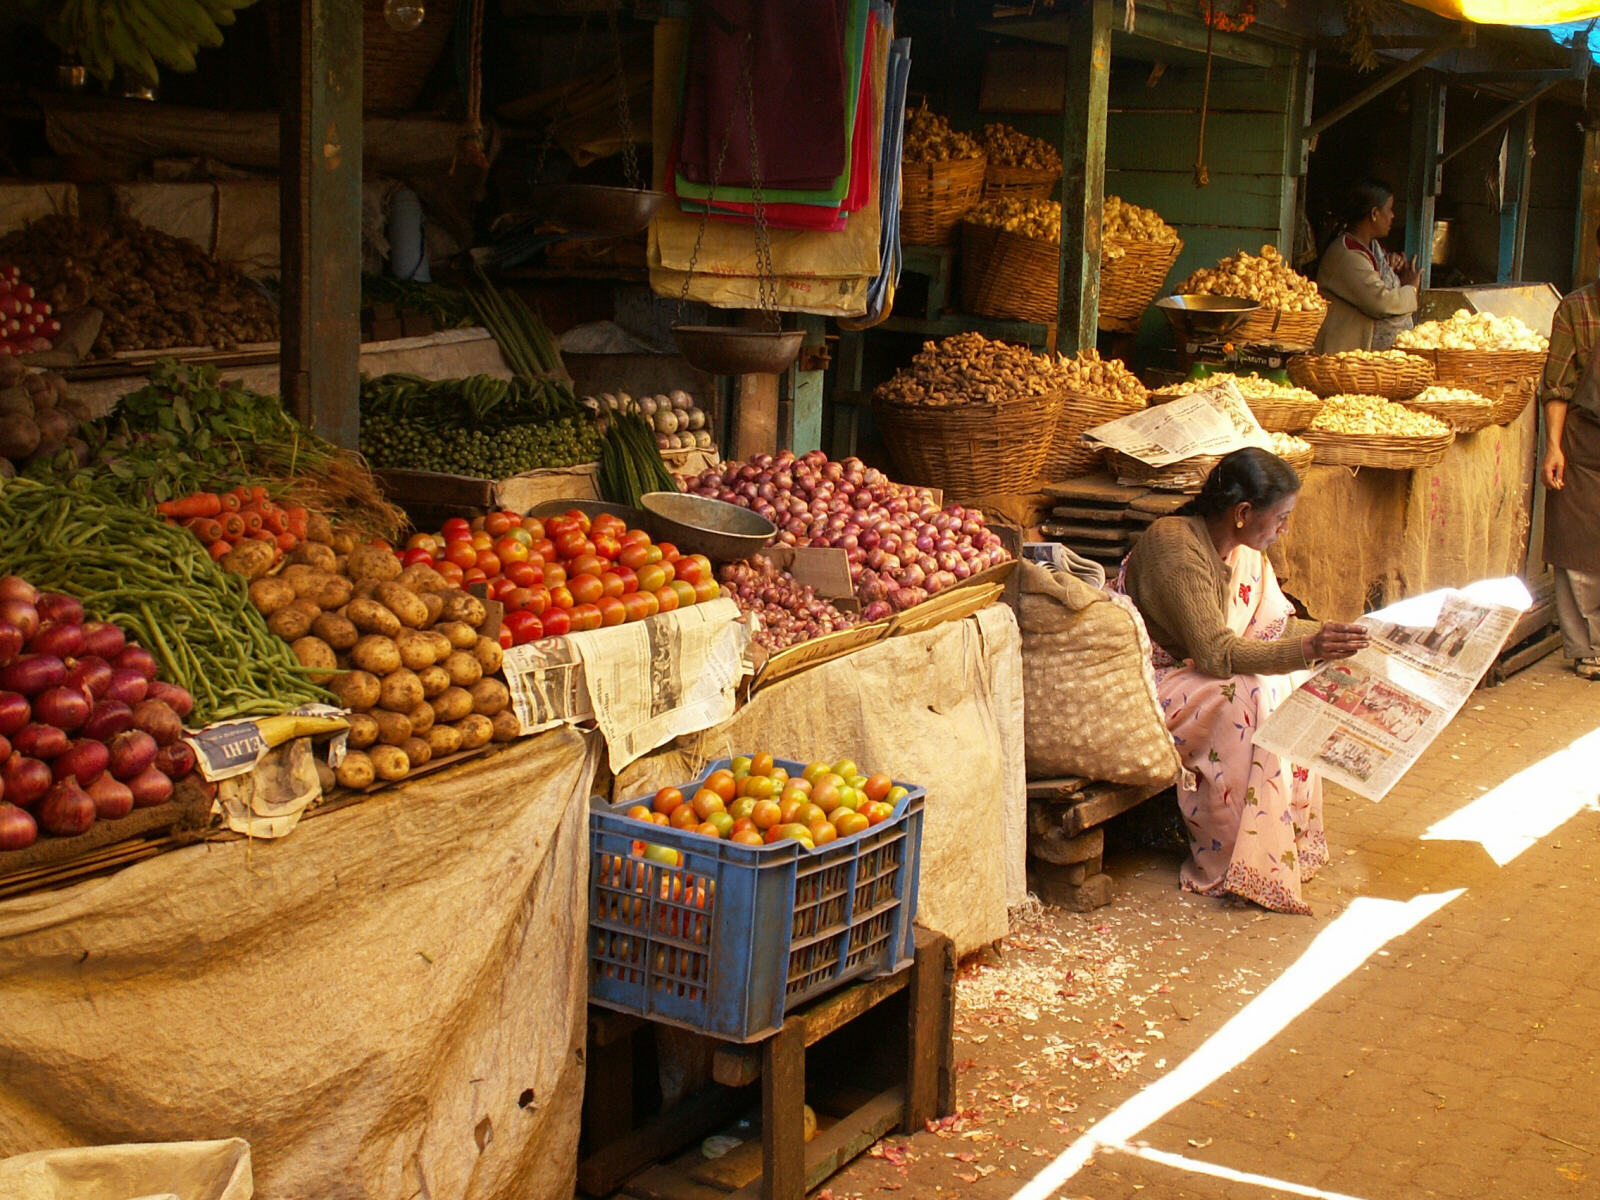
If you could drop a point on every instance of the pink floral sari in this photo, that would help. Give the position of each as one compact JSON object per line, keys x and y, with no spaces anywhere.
{"x":1255,"y":820}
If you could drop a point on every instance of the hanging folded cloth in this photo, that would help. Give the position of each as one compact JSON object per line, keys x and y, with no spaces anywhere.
{"x":881,"y":290}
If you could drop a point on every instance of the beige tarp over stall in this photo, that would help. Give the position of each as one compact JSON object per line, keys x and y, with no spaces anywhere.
{"x":387,"y":1004}
{"x":942,"y":708}
{"x":1363,"y":538}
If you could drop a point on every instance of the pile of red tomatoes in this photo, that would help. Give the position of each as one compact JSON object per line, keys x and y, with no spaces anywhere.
{"x":564,"y":574}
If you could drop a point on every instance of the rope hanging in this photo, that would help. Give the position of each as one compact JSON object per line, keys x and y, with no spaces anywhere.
{"x":470,"y":145}
{"x":1202,"y":176}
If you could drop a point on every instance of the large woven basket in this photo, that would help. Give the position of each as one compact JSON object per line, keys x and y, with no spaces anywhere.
{"x":1009,"y":276}
{"x":1130,"y":283}
{"x":1378,"y":450}
{"x":970,"y":450}
{"x":1394,"y":378}
{"x":1275,"y":414}
{"x":1001,"y":182}
{"x":1069,"y":457}
{"x":1462,"y":417}
{"x":935,"y":196}
{"x":1187,"y":475}
{"x":394,"y":63}
{"x":1507,"y":377}
{"x":1279,"y":327}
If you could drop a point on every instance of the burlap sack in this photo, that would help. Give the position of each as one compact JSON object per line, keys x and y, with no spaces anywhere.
{"x":1091,"y":708}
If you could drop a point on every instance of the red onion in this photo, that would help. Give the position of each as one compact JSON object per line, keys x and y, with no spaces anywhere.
{"x":53,"y":606}
{"x":137,"y":658}
{"x":25,"y":779}
{"x":64,"y":639}
{"x":174,"y":697}
{"x":66,"y":809}
{"x":22,"y":615}
{"x":15,"y":587}
{"x":11,"y":642}
{"x":132,"y":753}
{"x":84,"y":760}
{"x":150,"y":788}
{"x":33,"y":673}
{"x":41,"y":741}
{"x":175,"y":761}
{"x":18,"y":830}
{"x":92,"y":674}
{"x":15,"y":712}
{"x":128,"y":686}
{"x":64,"y":707}
{"x":103,"y":639}
{"x":112,"y":798}
{"x":159,"y":721}
{"x":107,"y":719}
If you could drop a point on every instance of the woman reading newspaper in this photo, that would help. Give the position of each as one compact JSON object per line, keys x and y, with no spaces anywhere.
{"x":1227,"y":650}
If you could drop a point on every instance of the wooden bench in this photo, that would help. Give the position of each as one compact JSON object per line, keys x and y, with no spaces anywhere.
{"x":1066,"y":843}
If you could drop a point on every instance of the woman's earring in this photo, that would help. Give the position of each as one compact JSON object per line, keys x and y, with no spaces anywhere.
{"x":1238,"y":524}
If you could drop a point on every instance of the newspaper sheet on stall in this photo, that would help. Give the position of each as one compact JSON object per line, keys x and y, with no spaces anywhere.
{"x":1363,"y":721}
{"x":642,"y":683}
{"x":1214,"y":420}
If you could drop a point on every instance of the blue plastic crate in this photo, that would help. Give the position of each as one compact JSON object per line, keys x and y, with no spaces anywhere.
{"x":736,"y":935}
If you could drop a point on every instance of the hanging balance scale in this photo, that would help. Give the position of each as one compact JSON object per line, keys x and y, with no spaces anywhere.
{"x":727,"y":349}
{"x":598,"y":209}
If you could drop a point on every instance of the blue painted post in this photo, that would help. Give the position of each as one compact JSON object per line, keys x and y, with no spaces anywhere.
{"x":1514,"y":200}
{"x":1424,"y":177}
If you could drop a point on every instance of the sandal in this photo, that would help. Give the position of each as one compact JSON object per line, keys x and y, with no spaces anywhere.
{"x":1586,"y":668}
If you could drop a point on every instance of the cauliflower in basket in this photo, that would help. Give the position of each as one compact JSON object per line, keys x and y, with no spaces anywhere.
{"x":1473,"y":331}
{"x":1374,"y":415}
{"x":1265,"y":278}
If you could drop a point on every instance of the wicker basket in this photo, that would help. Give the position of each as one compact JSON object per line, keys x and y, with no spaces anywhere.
{"x":1009,"y":276}
{"x":1279,"y":327}
{"x":970,"y":450}
{"x":1188,"y":475}
{"x":1001,"y":182}
{"x":1345,"y":375}
{"x":1069,"y":457}
{"x":1463,"y":418}
{"x":1130,"y":284}
{"x":1508,"y":377}
{"x":935,"y":196}
{"x":394,"y":64}
{"x":1510,"y":401}
{"x":1378,"y":450}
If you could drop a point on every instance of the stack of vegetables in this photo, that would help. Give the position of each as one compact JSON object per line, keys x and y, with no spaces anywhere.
{"x":38,"y":417}
{"x":26,"y":324}
{"x":88,"y":729}
{"x":784,"y":611}
{"x":679,"y":423}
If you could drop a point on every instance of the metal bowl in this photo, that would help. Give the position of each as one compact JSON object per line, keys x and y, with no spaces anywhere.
{"x":592,"y":208}
{"x":635,"y":517}
{"x":1206,"y":316}
{"x":726,"y":350}
{"x":721,"y":531}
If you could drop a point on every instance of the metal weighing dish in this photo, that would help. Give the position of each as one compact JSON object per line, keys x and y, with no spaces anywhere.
{"x":727,"y":350}
{"x":592,"y":208}
{"x":721,"y":531}
{"x":1199,"y":318}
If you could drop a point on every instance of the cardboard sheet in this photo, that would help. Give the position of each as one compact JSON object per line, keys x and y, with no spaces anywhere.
{"x":388,"y":1004}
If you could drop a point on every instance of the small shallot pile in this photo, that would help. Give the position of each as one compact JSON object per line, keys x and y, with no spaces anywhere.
{"x":901,"y":545}
{"x":785,"y":610}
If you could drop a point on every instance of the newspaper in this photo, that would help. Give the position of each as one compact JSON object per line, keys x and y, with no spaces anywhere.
{"x":1214,"y":420}
{"x":642,"y":683}
{"x":1363,"y":721}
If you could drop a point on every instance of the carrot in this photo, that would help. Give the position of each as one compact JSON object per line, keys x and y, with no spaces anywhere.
{"x":230,"y":502}
{"x":200,"y":504}
{"x":219,"y":548}
{"x":276,"y":520}
{"x":258,"y":495}
{"x":253,"y":523}
{"x":233,"y":524}
{"x":207,"y":529}
{"x":286,"y":541}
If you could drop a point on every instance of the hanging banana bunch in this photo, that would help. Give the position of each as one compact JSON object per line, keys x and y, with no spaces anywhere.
{"x":136,"y":35}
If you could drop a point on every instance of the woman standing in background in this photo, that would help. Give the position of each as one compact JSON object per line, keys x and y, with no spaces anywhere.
{"x":1371,"y":292}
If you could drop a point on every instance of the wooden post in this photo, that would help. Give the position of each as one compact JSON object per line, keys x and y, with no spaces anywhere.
{"x":319,"y":151}
{"x":1586,"y":254}
{"x":1302,"y":82}
{"x":1514,"y":202}
{"x":783,"y":1099}
{"x":1083,"y":158}
{"x":800,"y":429}
{"x":1424,"y":176}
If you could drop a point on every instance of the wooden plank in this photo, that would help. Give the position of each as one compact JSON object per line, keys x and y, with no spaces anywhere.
{"x":802,"y":429}
{"x":1515,"y":203}
{"x":1101,"y":803}
{"x":851,"y":1136}
{"x":1586,"y":253}
{"x":662,"y":1136}
{"x":1096,"y":490}
{"x":1083,"y":157}
{"x":1051,"y":845}
{"x":1423,"y":177}
{"x":1241,"y":143}
{"x":607,"y":1028}
{"x":1115,"y":534}
{"x":928,"y":1030}
{"x":1233,"y":90}
{"x":1231,"y":200}
{"x":607,"y":1092}
{"x":783,"y":1097}
{"x":319,"y":139}
{"x":664,"y":1183}
{"x":1110,"y":516}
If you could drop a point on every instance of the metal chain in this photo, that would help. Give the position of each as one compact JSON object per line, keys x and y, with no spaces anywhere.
{"x":630,"y":160}
{"x":561,"y":106}
{"x":766,"y":276}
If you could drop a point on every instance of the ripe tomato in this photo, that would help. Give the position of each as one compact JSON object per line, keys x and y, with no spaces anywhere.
{"x":538,"y":600}
{"x":635,"y":537}
{"x":416,"y":555}
{"x":504,"y":637}
{"x":688,"y":570}
{"x":666,"y":599}
{"x":511,"y":550}
{"x":605,"y":544}
{"x":585,"y":617}
{"x":474,"y":575}
{"x":462,"y":554}
{"x":706,"y":802}
{"x":523,"y":574}
{"x":723,"y":784}
{"x":579,"y":518}
{"x":557,"y":622}
{"x":611,"y":582}
{"x":669,"y":552}
{"x":611,"y":611}
{"x":635,"y":555}
{"x":667,"y":799}
{"x":514,"y":598}
{"x":496,"y":523}
{"x":554,"y":574}
{"x":481,"y":541}
{"x":683,"y":817}
{"x":586,"y":589}
{"x":669,"y":570}
{"x":456,"y":527}
{"x":630,"y":581}
{"x":877,"y":786}
{"x":636,"y":606}
{"x":524,"y":626}
{"x":500,"y":587}
{"x":532,"y":526}
{"x":518,"y":534}
{"x":450,"y":571}
{"x":570,"y":543}
{"x":423,"y":541}
{"x":706,"y":589}
{"x":685,"y":592}
{"x":748,"y":837}
{"x":588,"y":564}
{"x":488,"y":561}
{"x":561,"y":597}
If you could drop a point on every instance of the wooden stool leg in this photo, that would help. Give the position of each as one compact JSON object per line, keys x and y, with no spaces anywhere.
{"x":930,"y":1049}
{"x":783,"y":1098}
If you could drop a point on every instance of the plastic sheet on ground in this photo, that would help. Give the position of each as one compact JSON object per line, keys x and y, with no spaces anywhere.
{"x":388,"y":1004}
{"x":217,"y":1170}
{"x":942,"y":708}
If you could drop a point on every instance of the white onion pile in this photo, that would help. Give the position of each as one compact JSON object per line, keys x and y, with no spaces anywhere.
{"x":786,"y":611}
{"x":902,"y":546}
{"x":678,"y":422}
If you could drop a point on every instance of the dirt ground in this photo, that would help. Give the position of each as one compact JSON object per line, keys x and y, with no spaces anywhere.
{"x":1437,"y":1041}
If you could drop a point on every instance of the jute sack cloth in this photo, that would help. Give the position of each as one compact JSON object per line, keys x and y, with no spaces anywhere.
{"x":217,"y":1170}
{"x":1090,"y":697}
{"x":387,"y":1003}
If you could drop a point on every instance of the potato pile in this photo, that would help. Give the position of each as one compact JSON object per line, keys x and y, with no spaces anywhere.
{"x":1265,"y":278}
{"x":1251,"y":387}
{"x":1472,"y":331}
{"x":1038,"y":219}
{"x":1130,"y":223}
{"x":1088,"y":372}
{"x":403,"y":650}
{"x":156,"y":291}
{"x":931,"y":139}
{"x":37,"y":416}
{"x":1010,"y":147}
{"x":1373,"y":415}
{"x":968,"y":368}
